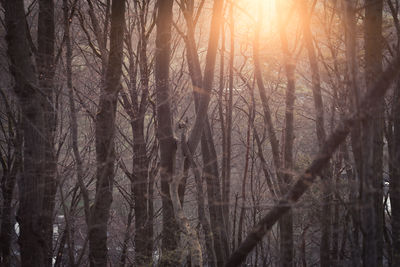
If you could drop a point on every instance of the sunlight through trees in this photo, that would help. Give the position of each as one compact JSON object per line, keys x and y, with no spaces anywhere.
{"x":199,"y":133}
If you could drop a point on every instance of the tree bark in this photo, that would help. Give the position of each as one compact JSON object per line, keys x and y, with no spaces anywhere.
{"x":208,"y":235}
{"x":372,"y":138}
{"x":36,"y":189}
{"x":46,"y":67}
{"x":105,"y":135}
{"x":140,"y":168}
{"x":395,"y":178}
{"x":196,"y":257}
{"x":168,"y":144}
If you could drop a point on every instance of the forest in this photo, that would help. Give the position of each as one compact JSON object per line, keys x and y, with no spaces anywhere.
{"x":199,"y":133}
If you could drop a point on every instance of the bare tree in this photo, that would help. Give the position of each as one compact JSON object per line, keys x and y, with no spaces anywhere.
{"x":321,"y":135}
{"x":168,"y":143}
{"x":105,"y":134}
{"x":34,"y":88}
{"x":372,"y":146}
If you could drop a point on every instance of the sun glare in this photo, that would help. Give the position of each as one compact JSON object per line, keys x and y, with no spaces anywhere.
{"x":249,"y":13}
{"x":253,"y":9}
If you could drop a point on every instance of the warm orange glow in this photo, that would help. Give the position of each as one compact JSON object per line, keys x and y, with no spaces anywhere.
{"x":252,"y":8}
{"x":249,"y":13}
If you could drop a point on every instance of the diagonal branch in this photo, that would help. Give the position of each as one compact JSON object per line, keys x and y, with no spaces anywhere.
{"x":304,"y":181}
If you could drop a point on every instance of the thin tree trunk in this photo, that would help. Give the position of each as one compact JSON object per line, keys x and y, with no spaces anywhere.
{"x":395,"y":178}
{"x":286,"y":222}
{"x":140,"y":184}
{"x":393,"y":138}
{"x":234,"y":234}
{"x":303,"y":247}
{"x":208,"y":235}
{"x":321,"y":136}
{"x":336,"y":172}
{"x":208,"y":76}
{"x":246,"y":167}
{"x":228,"y":135}
{"x":214,"y":201}
{"x":10,"y":170}
{"x":221,"y":102}
{"x":125,"y":243}
{"x":196,"y":258}
{"x":272,"y":188}
{"x":209,"y":159}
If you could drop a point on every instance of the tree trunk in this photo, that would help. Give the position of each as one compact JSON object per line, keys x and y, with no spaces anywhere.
{"x":140,"y":184}
{"x":140,"y":169}
{"x":36,"y":189}
{"x":226,"y":188}
{"x":208,"y":235}
{"x":105,"y":134}
{"x":372,"y":138}
{"x":196,"y":257}
{"x":6,"y":217}
{"x":10,"y":169}
{"x":321,"y":135}
{"x":394,"y":157}
{"x":286,"y":222}
{"x":353,"y":89}
{"x":168,"y":144}
{"x":209,"y":155}
{"x":395,"y":178}
{"x":45,"y":59}
{"x":246,"y":167}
